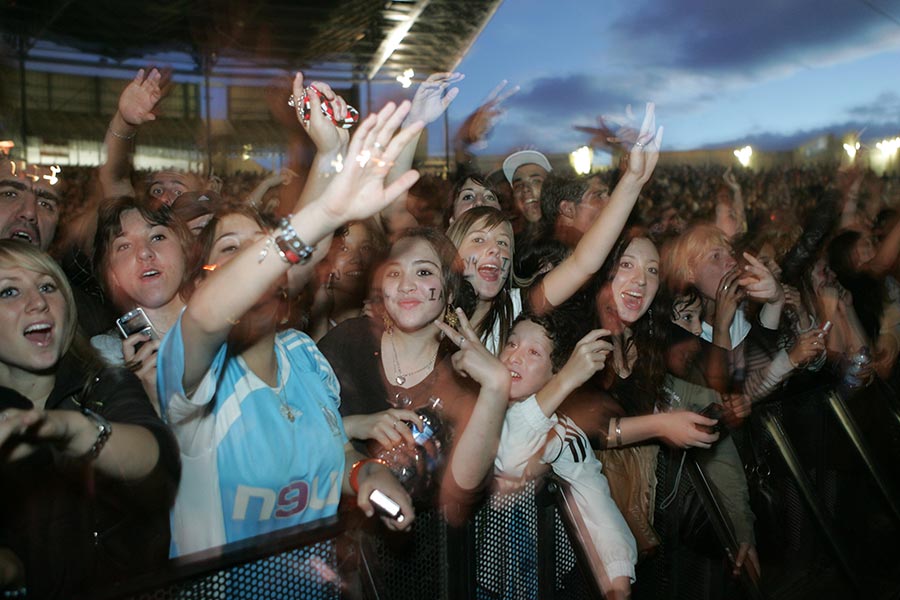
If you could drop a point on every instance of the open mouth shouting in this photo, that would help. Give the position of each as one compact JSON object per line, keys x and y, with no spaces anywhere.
{"x":632,"y":300}
{"x":25,"y":235}
{"x":39,"y":333}
{"x":150,"y":274}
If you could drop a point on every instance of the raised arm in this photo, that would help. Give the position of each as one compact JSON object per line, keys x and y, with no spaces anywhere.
{"x":137,"y":104}
{"x":591,"y":252}
{"x":431,"y":100}
{"x":474,"y":450}
{"x":357,"y":192}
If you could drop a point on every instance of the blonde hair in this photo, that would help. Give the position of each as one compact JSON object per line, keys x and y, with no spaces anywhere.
{"x":19,"y":254}
{"x":680,"y":256}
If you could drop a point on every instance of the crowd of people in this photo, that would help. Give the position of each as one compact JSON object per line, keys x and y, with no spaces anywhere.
{"x":186,"y":364}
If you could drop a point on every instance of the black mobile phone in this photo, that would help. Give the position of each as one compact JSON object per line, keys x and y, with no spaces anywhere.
{"x":135,"y":321}
{"x":385,"y":505}
{"x":716,"y":411}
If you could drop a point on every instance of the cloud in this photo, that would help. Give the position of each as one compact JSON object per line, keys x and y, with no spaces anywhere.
{"x":776,"y":141}
{"x":883,"y":108}
{"x":753,"y":37}
{"x":568,"y":96}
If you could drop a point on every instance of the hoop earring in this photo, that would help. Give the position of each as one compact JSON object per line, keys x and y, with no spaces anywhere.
{"x":388,"y":323}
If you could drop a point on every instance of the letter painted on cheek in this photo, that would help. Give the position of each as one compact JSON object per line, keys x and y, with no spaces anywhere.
{"x":431,"y":294}
{"x":472,"y":260}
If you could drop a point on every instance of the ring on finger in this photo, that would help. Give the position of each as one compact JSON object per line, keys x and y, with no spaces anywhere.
{"x":462,"y":338}
{"x":394,"y":424}
{"x":725,"y":288}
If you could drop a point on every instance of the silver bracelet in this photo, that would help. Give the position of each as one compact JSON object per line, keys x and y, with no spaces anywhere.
{"x":120,"y":136}
{"x":104,"y":430}
{"x":618,"y":432}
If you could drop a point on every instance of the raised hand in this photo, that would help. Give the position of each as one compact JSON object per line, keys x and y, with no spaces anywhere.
{"x":730,"y":180}
{"x":140,"y":97}
{"x":359,"y":190}
{"x":759,"y":282}
{"x":728,"y":297}
{"x":328,"y":137}
{"x":478,"y":126}
{"x":588,"y":357}
{"x":644,"y":151}
{"x":433,"y":97}
{"x":807,"y":347}
{"x":473,"y":360}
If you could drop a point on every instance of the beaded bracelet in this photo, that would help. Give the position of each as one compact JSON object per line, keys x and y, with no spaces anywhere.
{"x":354,"y":471}
{"x":291,"y":248}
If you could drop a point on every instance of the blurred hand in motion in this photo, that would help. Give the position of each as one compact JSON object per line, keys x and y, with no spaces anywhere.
{"x":433,"y":96}
{"x":687,"y":429}
{"x":478,"y":126}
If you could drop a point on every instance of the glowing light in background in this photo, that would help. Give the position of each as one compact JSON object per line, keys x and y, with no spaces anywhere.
{"x":743,"y":155}
{"x":851,"y":149}
{"x":406,"y":79}
{"x":6,"y":146}
{"x":889,"y":147}
{"x":248,"y":148}
{"x":582,"y":160}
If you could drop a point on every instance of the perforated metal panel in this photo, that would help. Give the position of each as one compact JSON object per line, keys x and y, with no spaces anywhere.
{"x":305,"y":573}
{"x":506,"y":546}
{"x":413,"y":565}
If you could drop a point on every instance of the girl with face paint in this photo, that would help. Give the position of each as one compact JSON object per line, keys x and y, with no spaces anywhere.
{"x":400,"y":360}
{"x":484,"y":239}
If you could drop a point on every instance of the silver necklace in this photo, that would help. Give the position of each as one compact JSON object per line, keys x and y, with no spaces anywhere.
{"x":401,"y":378}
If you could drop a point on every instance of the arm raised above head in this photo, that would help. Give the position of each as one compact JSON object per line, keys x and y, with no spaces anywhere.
{"x":594,"y":247}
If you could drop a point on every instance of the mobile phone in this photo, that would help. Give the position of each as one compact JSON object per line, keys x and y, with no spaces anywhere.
{"x":385,"y":505}
{"x":716,"y":411}
{"x":134,"y":321}
{"x":826,"y":327}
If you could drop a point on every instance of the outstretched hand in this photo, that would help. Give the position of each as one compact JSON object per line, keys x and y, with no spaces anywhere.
{"x":139,"y":99}
{"x":759,"y":282}
{"x":433,"y":97}
{"x":358,"y":191}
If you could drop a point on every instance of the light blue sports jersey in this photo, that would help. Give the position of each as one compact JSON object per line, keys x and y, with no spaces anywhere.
{"x":246,"y":468}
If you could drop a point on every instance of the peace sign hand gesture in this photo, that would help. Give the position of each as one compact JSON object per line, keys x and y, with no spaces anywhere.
{"x":473,"y":360}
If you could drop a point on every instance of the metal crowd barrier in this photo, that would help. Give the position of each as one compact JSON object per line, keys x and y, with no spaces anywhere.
{"x":516,"y":547}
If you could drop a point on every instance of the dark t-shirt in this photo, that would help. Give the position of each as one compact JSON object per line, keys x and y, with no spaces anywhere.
{"x":354,"y":350}
{"x":73,"y":529}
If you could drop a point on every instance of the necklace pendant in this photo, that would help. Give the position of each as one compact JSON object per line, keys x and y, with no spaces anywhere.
{"x":400,"y":379}
{"x":287,"y":413}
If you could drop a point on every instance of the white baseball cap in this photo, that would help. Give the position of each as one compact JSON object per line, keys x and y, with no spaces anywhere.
{"x":524,"y":157}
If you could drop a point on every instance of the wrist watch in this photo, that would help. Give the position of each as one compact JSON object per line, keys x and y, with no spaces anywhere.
{"x":104,"y":430}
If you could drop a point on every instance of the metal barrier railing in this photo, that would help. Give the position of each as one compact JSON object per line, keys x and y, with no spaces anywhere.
{"x":515,"y":547}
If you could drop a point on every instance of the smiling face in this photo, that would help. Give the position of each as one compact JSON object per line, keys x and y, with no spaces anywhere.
{"x":412,"y":285}
{"x":527,"y":183}
{"x":33,"y":323}
{"x":146,"y":263}
{"x":527,"y":355}
{"x":636,"y":281}
{"x":349,"y":259}
{"x":29,"y":205}
{"x":471,"y":195}
{"x":487,"y":254}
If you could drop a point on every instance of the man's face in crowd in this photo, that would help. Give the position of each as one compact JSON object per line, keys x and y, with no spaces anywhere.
{"x":526,"y":184}
{"x":29,"y":203}
{"x":166,"y":186}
